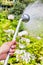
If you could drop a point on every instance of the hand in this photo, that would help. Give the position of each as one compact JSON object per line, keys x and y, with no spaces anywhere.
{"x":7,"y":47}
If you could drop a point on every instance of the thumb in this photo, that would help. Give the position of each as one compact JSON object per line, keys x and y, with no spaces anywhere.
{"x":12,"y":43}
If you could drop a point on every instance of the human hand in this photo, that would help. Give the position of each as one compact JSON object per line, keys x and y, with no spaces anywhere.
{"x":7,"y":47}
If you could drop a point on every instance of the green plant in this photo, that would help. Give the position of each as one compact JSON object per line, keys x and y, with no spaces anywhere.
{"x":18,"y":8}
{"x":34,"y":47}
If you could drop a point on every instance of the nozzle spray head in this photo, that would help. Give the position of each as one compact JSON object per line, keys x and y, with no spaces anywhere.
{"x":25,"y":17}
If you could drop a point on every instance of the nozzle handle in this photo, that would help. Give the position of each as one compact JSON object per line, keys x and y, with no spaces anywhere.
{"x":14,"y":38}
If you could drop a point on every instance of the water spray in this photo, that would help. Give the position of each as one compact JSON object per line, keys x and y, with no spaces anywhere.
{"x":24,"y":18}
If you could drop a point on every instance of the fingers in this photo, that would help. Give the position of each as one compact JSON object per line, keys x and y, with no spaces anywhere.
{"x":13,"y":46}
{"x":7,"y":46}
{"x":13,"y":42}
{"x":11,"y":52}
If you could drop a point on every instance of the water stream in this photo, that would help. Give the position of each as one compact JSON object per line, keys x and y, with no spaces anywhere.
{"x":35,"y":25}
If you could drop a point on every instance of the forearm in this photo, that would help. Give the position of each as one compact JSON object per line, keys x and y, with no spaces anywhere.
{"x":2,"y":56}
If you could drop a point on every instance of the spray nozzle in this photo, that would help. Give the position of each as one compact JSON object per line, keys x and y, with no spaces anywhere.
{"x":25,"y":17}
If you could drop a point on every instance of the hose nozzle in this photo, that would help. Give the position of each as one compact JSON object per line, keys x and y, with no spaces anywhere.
{"x":25,"y":17}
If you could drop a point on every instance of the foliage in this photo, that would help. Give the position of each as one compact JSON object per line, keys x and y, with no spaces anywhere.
{"x":6,"y":24}
{"x":34,"y":47}
{"x":19,"y":6}
{"x":0,"y":1}
{"x":26,"y":1}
